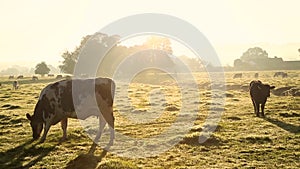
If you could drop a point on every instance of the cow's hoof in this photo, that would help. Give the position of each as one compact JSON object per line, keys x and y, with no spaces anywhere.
{"x":42,"y":141}
{"x":107,"y":147}
{"x":63,"y":139}
{"x":92,"y":149}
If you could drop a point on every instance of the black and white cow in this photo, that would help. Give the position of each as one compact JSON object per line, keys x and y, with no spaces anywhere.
{"x":259,"y":93}
{"x":58,"y":102}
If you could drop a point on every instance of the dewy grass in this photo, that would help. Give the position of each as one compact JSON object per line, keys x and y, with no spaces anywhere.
{"x":241,"y":140}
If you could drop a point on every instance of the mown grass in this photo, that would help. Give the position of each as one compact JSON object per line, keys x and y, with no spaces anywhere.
{"x":240,"y":140}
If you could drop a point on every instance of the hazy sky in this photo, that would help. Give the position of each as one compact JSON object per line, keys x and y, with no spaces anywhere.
{"x":40,"y":30}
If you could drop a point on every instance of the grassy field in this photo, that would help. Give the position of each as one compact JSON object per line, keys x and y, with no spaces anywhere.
{"x":240,"y":140}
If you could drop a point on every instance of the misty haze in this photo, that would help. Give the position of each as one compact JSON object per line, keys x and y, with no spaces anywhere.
{"x":230,"y":101}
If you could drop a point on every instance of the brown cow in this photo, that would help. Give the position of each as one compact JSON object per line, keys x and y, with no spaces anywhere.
{"x":259,"y":93}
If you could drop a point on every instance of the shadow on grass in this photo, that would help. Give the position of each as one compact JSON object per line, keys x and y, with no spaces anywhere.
{"x":86,"y":161}
{"x":15,"y":157}
{"x":286,"y":126}
{"x":194,"y":141}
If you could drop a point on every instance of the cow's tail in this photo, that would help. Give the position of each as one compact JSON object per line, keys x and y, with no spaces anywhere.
{"x":113,"y":90}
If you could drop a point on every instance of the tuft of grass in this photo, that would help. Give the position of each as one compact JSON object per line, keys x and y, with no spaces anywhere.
{"x":172,"y":108}
{"x":117,"y":164}
{"x":234,"y":118}
{"x":83,"y":161}
{"x":257,"y":140}
{"x":293,"y":114}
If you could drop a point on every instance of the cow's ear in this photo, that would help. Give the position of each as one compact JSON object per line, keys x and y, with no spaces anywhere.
{"x":28,"y":116}
{"x":272,"y":87}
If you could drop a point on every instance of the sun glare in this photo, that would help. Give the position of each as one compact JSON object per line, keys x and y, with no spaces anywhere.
{"x":153,"y":41}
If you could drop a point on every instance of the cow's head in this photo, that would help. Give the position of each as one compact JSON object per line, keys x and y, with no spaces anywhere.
{"x":265,"y":89}
{"x":36,"y":126}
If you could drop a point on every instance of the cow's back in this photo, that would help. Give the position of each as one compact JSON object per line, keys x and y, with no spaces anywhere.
{"x":260,"y":92}
{"x":255,"y":92}
{"x":64,"y":96}
{"x":106,"y":88}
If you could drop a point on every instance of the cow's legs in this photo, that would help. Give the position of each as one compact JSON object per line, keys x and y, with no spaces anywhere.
{"x":112,"y":132}
{"x":112,"y":136}
{"x":46,"y":129}
{"x":256,"y":107}
{"x":111,"y":124}
{"x":107,"y":112}
{"x":102,"y":124}
{"x":64,"y":125}
{"x":262,"y":109}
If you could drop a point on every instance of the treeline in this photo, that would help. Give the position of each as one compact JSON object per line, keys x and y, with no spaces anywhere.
{"x":257,"y":59}
{"x":156,"y":51}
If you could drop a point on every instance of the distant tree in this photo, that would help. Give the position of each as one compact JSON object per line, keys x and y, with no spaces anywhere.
{"x":99,"y":43}
{"x":69,"y":62}
{"x":70,"y":58}
{"x":237,"y":63}
{"x":92,"y":45}
{"x":242,"y":65}
{"x":163,"y":55}
{"x":299,"y":50}
{"x":53,"y":70}
{"x":41,"y":69}
{"x":159,"y":43}
{"x":253,"y":54}
{"x":193,"y":63}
